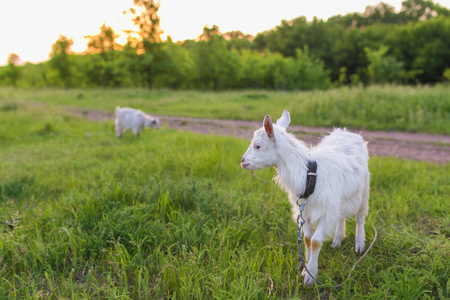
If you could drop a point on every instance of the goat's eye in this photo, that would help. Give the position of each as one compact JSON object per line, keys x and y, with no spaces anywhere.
{"x":256,"y":146}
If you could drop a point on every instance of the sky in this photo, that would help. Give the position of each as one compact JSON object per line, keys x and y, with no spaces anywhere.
{"x":29,"y":27}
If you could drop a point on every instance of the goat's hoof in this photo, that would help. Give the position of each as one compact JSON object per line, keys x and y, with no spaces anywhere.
{"x":359,"y":247}
{"x":313,"y":271}
{"x":309,"y":280}
{"x":336,"y":243}
{"x":304,"y":272}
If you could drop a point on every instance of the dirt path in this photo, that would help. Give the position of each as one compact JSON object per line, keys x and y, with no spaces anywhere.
{"x":416,"y":146}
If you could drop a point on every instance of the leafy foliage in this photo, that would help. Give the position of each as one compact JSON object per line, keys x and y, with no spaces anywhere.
{"x":147,"y":20}
{"x":383,"y":68}
{"x":61,"y":62}
{"x":12,"y":73}
{"x":102,"y":42}
{"x":376,"y":46}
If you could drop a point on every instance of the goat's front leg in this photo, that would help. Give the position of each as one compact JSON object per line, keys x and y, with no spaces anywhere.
{"x":119,"y":130}
{"x":316,"y":245}
{"x":307,"y":234}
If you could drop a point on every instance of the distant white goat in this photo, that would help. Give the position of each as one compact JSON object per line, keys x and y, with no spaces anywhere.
{"x":136,"y":120}
{"x":342,"y":186}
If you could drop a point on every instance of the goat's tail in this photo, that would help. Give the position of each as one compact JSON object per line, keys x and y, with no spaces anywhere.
{"x":117,"y":109}
{"x":366,"y":144}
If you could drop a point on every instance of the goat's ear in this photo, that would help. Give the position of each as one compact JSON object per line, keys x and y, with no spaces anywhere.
{"x":284,"y":120}
{"x":268,"y":127}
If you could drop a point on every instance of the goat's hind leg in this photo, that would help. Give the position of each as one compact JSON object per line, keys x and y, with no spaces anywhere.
{"x":340,"y":233}
{"x":136,"y":130}
{"x":359,"y":239}
{"x":362,"y":212}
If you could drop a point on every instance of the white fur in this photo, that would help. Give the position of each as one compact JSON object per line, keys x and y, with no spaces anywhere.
{"x":342,"y":186}
{"x":136,"y":120}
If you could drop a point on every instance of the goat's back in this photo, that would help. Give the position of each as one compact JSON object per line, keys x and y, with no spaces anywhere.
{"x":129,"y":117}
{"x":123,"y":112}
{"x":343,"y":172}
{"x":341,"y":142}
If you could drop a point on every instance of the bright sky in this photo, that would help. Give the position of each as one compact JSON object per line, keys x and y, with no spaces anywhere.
{"x":29,"y":27}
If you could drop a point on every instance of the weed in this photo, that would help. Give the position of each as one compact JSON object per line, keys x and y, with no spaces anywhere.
{"x":9,"y":107}
{"x":399,"y":108}
{"x":172,"y":215}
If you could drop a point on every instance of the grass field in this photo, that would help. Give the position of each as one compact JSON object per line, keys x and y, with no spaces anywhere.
{"x":397,"y":108}
{"x":172,"y":215}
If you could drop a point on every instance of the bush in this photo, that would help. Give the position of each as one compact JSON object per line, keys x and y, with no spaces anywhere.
{"x":383,"y":68}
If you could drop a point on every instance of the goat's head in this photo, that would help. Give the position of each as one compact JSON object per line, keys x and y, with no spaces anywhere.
{"x":262,"y":152}
{"x":152,"y":122}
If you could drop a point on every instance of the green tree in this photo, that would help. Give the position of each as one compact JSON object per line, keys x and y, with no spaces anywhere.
{"x":348,"y":52}
{"x":383,"y":68}
{"x":156,"y":62}
{"x":103,"y":50}
{"x":208,"y":33}
{"x":419,"y":9}
{"x":380,"y":13}
{"x":446,"y":74}
{"x":254,"y":68}
{"x":152,"y":54}
{"x":61,"y":61}
{"x":310,"y":72}
{"x":318,"y":36}
{"x":423,"y":47}
{"x":102,"y":42}
{"x":13,"y":72}
{"x":216,"y":65}
{"x":147,"y":20}
{"x":238,"y":40}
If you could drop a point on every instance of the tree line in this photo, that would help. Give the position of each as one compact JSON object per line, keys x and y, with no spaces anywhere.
{"x":379,"y":45}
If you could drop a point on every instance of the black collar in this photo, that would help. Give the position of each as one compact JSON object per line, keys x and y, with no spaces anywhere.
{"x":310,"y":179}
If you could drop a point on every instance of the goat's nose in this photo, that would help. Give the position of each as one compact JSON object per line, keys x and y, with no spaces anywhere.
{"x":242,"y":160}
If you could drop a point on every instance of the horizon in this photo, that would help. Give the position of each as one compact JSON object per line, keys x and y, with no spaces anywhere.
{"x":176,"y":20}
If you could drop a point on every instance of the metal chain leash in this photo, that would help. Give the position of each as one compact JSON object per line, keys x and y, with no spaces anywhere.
{"x":301,"y":207}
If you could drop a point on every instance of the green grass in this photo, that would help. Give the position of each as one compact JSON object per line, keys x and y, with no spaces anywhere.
{"x":399,"y":108}
{"x":172,"y":215}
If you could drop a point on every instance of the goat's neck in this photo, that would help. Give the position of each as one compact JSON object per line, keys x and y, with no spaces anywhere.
{"x":292,"y":167}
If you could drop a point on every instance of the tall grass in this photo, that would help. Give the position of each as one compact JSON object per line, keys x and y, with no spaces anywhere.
{"x":172,"y":215}
{"x":400,"y":108}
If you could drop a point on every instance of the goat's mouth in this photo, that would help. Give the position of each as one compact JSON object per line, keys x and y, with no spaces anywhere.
{"x":245,"y":165}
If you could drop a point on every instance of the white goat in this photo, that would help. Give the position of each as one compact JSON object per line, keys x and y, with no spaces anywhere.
{"x":342,"y":183}
{"x":136,"y":120}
